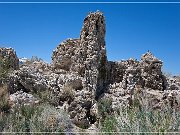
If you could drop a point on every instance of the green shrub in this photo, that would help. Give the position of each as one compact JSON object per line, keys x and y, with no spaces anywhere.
{"x":104,"y":107}
{"x":135,"y":120}
{"x":43,"y":95}
{"x":109,"y":125}
{"x":138,"y":119}
{"x":34,"y":119}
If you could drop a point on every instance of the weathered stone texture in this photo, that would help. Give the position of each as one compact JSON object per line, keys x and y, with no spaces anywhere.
{"x":80,"y":75}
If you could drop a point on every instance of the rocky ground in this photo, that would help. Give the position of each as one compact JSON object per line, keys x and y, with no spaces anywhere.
{"x":80,"y":77}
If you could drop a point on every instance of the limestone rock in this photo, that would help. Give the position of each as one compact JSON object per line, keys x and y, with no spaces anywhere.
{"x":29,"y":78}
{"x":172,"y":83}
{"x":154,"y":99}
{"x":151,"y":71}
{"x":64,"y":55}
{"x":80,"y":75}
{"x":86,"y":59}
{"x":21,"y":98}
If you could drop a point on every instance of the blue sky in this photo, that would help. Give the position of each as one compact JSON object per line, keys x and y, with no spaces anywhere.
{"x":131,"y":29}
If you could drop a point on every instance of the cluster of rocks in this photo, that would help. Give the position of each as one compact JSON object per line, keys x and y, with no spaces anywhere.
{"x":22,"y":98}
{"x":80,"y":75}
{"x":131,"y":75}
{"x":29,"y":78}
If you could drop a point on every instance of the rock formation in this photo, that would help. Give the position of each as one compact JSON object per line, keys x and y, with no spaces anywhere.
{"x":85,"y":58}
{"x":10,"y":55}
{"x":80,"y":75}
{"x":8,"y":61}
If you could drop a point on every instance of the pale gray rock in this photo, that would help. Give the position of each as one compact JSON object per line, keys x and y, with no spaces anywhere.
{"x":86,"y":59}
{"x":21,"y":98}
{"x":80,"y":75}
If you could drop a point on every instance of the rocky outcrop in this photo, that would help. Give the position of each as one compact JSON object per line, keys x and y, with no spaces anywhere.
{"x":172,"y":83}
{"x":80,"y":75}
{"x":30,"y":77}
{"x":86,"y":56}
{"x":151,"y":71}
{"x":9,"y":55}
{"x":155,"y":91}
{"x":145,"y":73}
{"x":86,"y":59}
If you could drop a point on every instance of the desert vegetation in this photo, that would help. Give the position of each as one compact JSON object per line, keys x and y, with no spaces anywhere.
{"x":140,"y":120}
{"x":24,"y":119}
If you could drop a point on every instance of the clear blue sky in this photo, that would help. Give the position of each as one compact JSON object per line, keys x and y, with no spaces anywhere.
{"x":132,"y":29}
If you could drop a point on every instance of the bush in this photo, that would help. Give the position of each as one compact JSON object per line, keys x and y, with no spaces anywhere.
{"x":133,"y":120}
{"x":109,"y":125}
{"x":138,"y":119}
{"x":44,"y":118}
{"x":43,"y":95}
{"x":104,"y":107}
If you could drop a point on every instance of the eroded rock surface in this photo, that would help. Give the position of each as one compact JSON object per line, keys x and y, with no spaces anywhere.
{"x":85,"y":58}
{"x":21,"y":98}
{"x":80,"y":75}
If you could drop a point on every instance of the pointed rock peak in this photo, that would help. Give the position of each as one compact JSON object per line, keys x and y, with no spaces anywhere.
{"x":97,"y":13}
{"x":94,"y":24}
{"x":149,"y":57}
